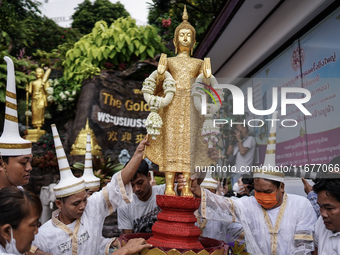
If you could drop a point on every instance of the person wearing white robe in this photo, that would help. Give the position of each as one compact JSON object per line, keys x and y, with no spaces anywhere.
{"x":274,"y":222}
{"x":83,"y":236}
{"x":287,"y":229}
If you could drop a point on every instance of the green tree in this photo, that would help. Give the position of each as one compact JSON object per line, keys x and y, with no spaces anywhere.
{"x":87,"y":14}
{"x":47,"y":35}
{"x":13,"y":17}
{"x":167,"y":15}
{"x":120,"y":44}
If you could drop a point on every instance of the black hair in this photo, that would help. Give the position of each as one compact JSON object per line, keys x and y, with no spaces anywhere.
{"x":247,"y":179}
{"x":5,"y":159}
{"x":142,"y":169}
{"x":16,"y":204}
{"x":331,"y":186}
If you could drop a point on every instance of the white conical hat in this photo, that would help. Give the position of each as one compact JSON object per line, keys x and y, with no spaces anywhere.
{"x":268,"y":171}
{"x":68,"y":184}
{"x":209,"y":182}
{"x":11,"y":144}
{"x":91,"y":181}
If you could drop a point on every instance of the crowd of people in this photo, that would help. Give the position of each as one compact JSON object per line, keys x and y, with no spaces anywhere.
{"x":258,"y":212}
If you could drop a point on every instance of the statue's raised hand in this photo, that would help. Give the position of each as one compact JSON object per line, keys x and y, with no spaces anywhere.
{"x":207,"y":68}
{"x":162,"y":64}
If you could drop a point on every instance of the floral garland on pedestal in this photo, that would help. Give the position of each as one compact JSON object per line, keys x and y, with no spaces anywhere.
{"x":208,"y":130}
{"x":154,"y":121}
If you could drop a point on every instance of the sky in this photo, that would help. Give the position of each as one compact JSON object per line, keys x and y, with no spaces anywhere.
{"x":61,"y":10}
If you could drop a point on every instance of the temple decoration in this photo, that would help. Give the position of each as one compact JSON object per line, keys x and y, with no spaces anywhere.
{"x":181,"y":137}
{"x":38,"y":89}
{"x":79,"y":146}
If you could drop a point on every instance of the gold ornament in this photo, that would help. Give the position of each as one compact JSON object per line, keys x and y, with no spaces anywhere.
{"x":180,"y":147}
{"x":79,"y":146}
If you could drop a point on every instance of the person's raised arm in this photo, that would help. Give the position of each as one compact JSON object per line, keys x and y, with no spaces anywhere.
{"x":131,"y":168}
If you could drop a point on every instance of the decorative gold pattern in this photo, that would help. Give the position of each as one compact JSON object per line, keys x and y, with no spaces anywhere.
{"x":70,"y":186}
{"x":59,"y":147}
{"x":16,"y":146}
{"x":11,"y":95}
{"x":203,"y":203}
{"x":232,"y":209}
{"x":274,"y":231}
{"x":180,"y":145}
{"x":272,"y":141}
{"x":64,"y":169}
{"x":122,"y":188}
{"x":303,"y":237}
{"x":72,"y":234}
{"x":11,"y":118}
{"x":204,"y":252}
{"x":107,"y":200}
{"x":56,"y":136}
{"x":93,"y":182}
{"x":190,"y":253}
{"x":201,"y":224}
{"x":156,"y":251}
{"x":173,"y":252}
{"x":11,"y":105}
{"x":60,"y":158}
{"x":270,"y":151}
{"x":272,"y":134}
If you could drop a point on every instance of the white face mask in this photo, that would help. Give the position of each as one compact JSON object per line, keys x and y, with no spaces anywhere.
{"x":237,"y":188}
{"x":11,"y":246}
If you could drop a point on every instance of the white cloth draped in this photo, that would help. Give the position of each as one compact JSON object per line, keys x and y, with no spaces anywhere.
{"x":56,"y":238}
{"x":291,"y":234}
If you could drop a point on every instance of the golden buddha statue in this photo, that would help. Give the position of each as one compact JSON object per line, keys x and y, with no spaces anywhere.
{"x":180,"y":147}
{"x":37,"y":89}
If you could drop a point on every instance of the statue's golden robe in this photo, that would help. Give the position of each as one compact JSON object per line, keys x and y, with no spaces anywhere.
{"x":180,"y":146}
{"x":39,"y":103}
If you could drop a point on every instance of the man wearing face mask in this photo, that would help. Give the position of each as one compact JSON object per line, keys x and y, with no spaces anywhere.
{"x":274,"y":222}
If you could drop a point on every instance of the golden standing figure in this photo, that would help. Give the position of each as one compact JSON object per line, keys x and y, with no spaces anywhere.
{"x":180,"y":146}
{"x":37,"y":89}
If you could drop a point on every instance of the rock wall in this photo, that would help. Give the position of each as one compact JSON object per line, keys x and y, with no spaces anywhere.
{"x":116,"y":110}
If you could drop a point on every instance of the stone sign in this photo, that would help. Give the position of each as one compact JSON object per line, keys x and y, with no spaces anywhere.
{"x":116,"y":110}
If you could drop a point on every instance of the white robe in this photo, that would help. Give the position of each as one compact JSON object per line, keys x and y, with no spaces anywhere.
{"x":57,"y":238}
{"x":292,"y":232}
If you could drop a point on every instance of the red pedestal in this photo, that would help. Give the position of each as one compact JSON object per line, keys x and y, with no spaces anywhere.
{"x":175,"y":227}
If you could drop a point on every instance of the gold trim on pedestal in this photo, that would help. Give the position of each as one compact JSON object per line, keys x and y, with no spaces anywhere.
{"x":33,"y":135}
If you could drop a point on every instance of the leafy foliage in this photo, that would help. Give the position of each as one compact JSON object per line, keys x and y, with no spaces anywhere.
{"x":167,"y":15}
{"x":121,"y":43}
{"x":14,"y":15}
{"x":62,"y":96}
{"x":47,"y":35}
{"x":22,"y":73}
{"x":87,"y":14}
{"x":48,"y":162}
{"x":47,"y":142}
{"x":102,"y":167}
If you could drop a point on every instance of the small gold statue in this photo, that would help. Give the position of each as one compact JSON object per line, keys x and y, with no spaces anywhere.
{"x":37,"y":89}
{"x":180,"y":147}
